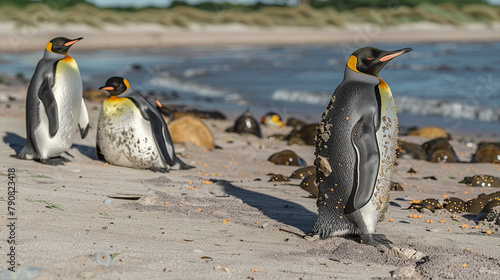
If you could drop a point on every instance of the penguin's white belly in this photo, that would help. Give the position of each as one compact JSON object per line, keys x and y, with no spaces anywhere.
{"x":67,"y":92}
{"x":387,"y":137}
{"x":124,"y":137}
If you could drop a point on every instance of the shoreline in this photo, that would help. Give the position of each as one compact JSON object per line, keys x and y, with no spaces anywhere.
{"x":27,"y":39}
{"x":406,"y":120}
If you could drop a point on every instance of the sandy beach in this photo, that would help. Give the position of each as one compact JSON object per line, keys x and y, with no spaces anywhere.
{"x":153,"y":35}
{"x":224,"y":219}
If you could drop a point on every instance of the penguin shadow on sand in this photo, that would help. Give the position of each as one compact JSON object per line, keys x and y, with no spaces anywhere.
{"x":284,"y":211}
{"x":17,"y":142}
{"x":14,"y":141}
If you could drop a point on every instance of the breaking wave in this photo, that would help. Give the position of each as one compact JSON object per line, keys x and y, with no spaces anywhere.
{"x":298,"y":96}
{"x":405,"y":104}
{"x":432,"y":107}
{"x":167,"y":80}
{"x":196,"y":72}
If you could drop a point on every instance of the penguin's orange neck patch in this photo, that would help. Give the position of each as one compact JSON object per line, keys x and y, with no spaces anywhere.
{"x":352,"y":62}
{"x":383,"y":84}
{"x":49,"y":47}
{"x":114,"y":98}
{"x":67,"y":59}
{"x":125,"y":82}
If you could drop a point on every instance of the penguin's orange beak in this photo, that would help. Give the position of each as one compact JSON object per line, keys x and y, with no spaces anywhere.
{"x":390,"y":56}
{"x":396,"y":53}
{"x":67,"y":44}
{"x":107,"y":88}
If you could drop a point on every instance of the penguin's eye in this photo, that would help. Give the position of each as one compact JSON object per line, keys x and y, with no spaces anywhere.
{"x":59,"y":44}
{"x":370,"y":58}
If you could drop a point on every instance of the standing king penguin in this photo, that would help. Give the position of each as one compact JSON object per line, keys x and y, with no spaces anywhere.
{"x":355,"y":150}
{"x":132,"y":132}
{"x":54,"y":105}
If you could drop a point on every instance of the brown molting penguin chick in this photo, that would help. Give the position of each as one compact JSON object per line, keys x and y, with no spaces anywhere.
{"x":246,"y":124}
{"x":287,"y":157}
{"x":487,"y":152}
{"x":440,"y":150}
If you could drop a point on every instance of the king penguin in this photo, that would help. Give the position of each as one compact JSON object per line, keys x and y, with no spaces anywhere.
{"x":54,"y":105}
{"x":131,"y":132}
{"x":355,"y":150}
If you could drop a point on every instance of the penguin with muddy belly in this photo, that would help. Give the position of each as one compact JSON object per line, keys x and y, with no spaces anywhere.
{"x":131,"y":132}
{"x":54,"y":105}
{"x":355,"y":150}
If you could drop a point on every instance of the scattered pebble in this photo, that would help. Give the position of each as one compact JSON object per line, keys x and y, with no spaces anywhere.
{"x":406,"y":272}
{"x":407,"y":254}
{"x":197,"y":251}
{"x":103,"y":259}
{"x":220,"y":268}
{"x":108,"y":201}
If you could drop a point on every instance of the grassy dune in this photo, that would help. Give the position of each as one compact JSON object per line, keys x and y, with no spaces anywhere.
{"x":302,"y":15}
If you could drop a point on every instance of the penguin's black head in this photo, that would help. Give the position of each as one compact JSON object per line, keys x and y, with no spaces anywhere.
{"x":61,"y":44}
{"x":370,"y":60}
{"x":116,"y":85}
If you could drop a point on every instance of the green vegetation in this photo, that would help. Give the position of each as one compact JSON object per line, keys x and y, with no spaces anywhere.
{"x":317,"y":13}
{"x":36,"y":176}
{"x":113,"y":256}
{"x":51,"y":205}
{"x":344,"y":5}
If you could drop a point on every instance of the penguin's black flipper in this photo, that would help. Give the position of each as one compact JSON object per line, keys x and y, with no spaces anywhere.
{"x":49,"y":102}
{"x":158,"y":126}
{"x":162,"y":136}
{"x":84,"y":131}
{"x":83,"y":121}
{"x":364,"y":140}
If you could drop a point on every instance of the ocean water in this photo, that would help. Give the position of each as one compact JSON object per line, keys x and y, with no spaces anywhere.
{"x":452,"y":85}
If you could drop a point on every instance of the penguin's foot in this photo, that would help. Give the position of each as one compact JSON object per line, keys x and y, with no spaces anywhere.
{"x":159,"y":169}
{"x":375,"y":240}
{"x":180,"y":165}
{"x":27,"y":152}
{"x":54,"y":161}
